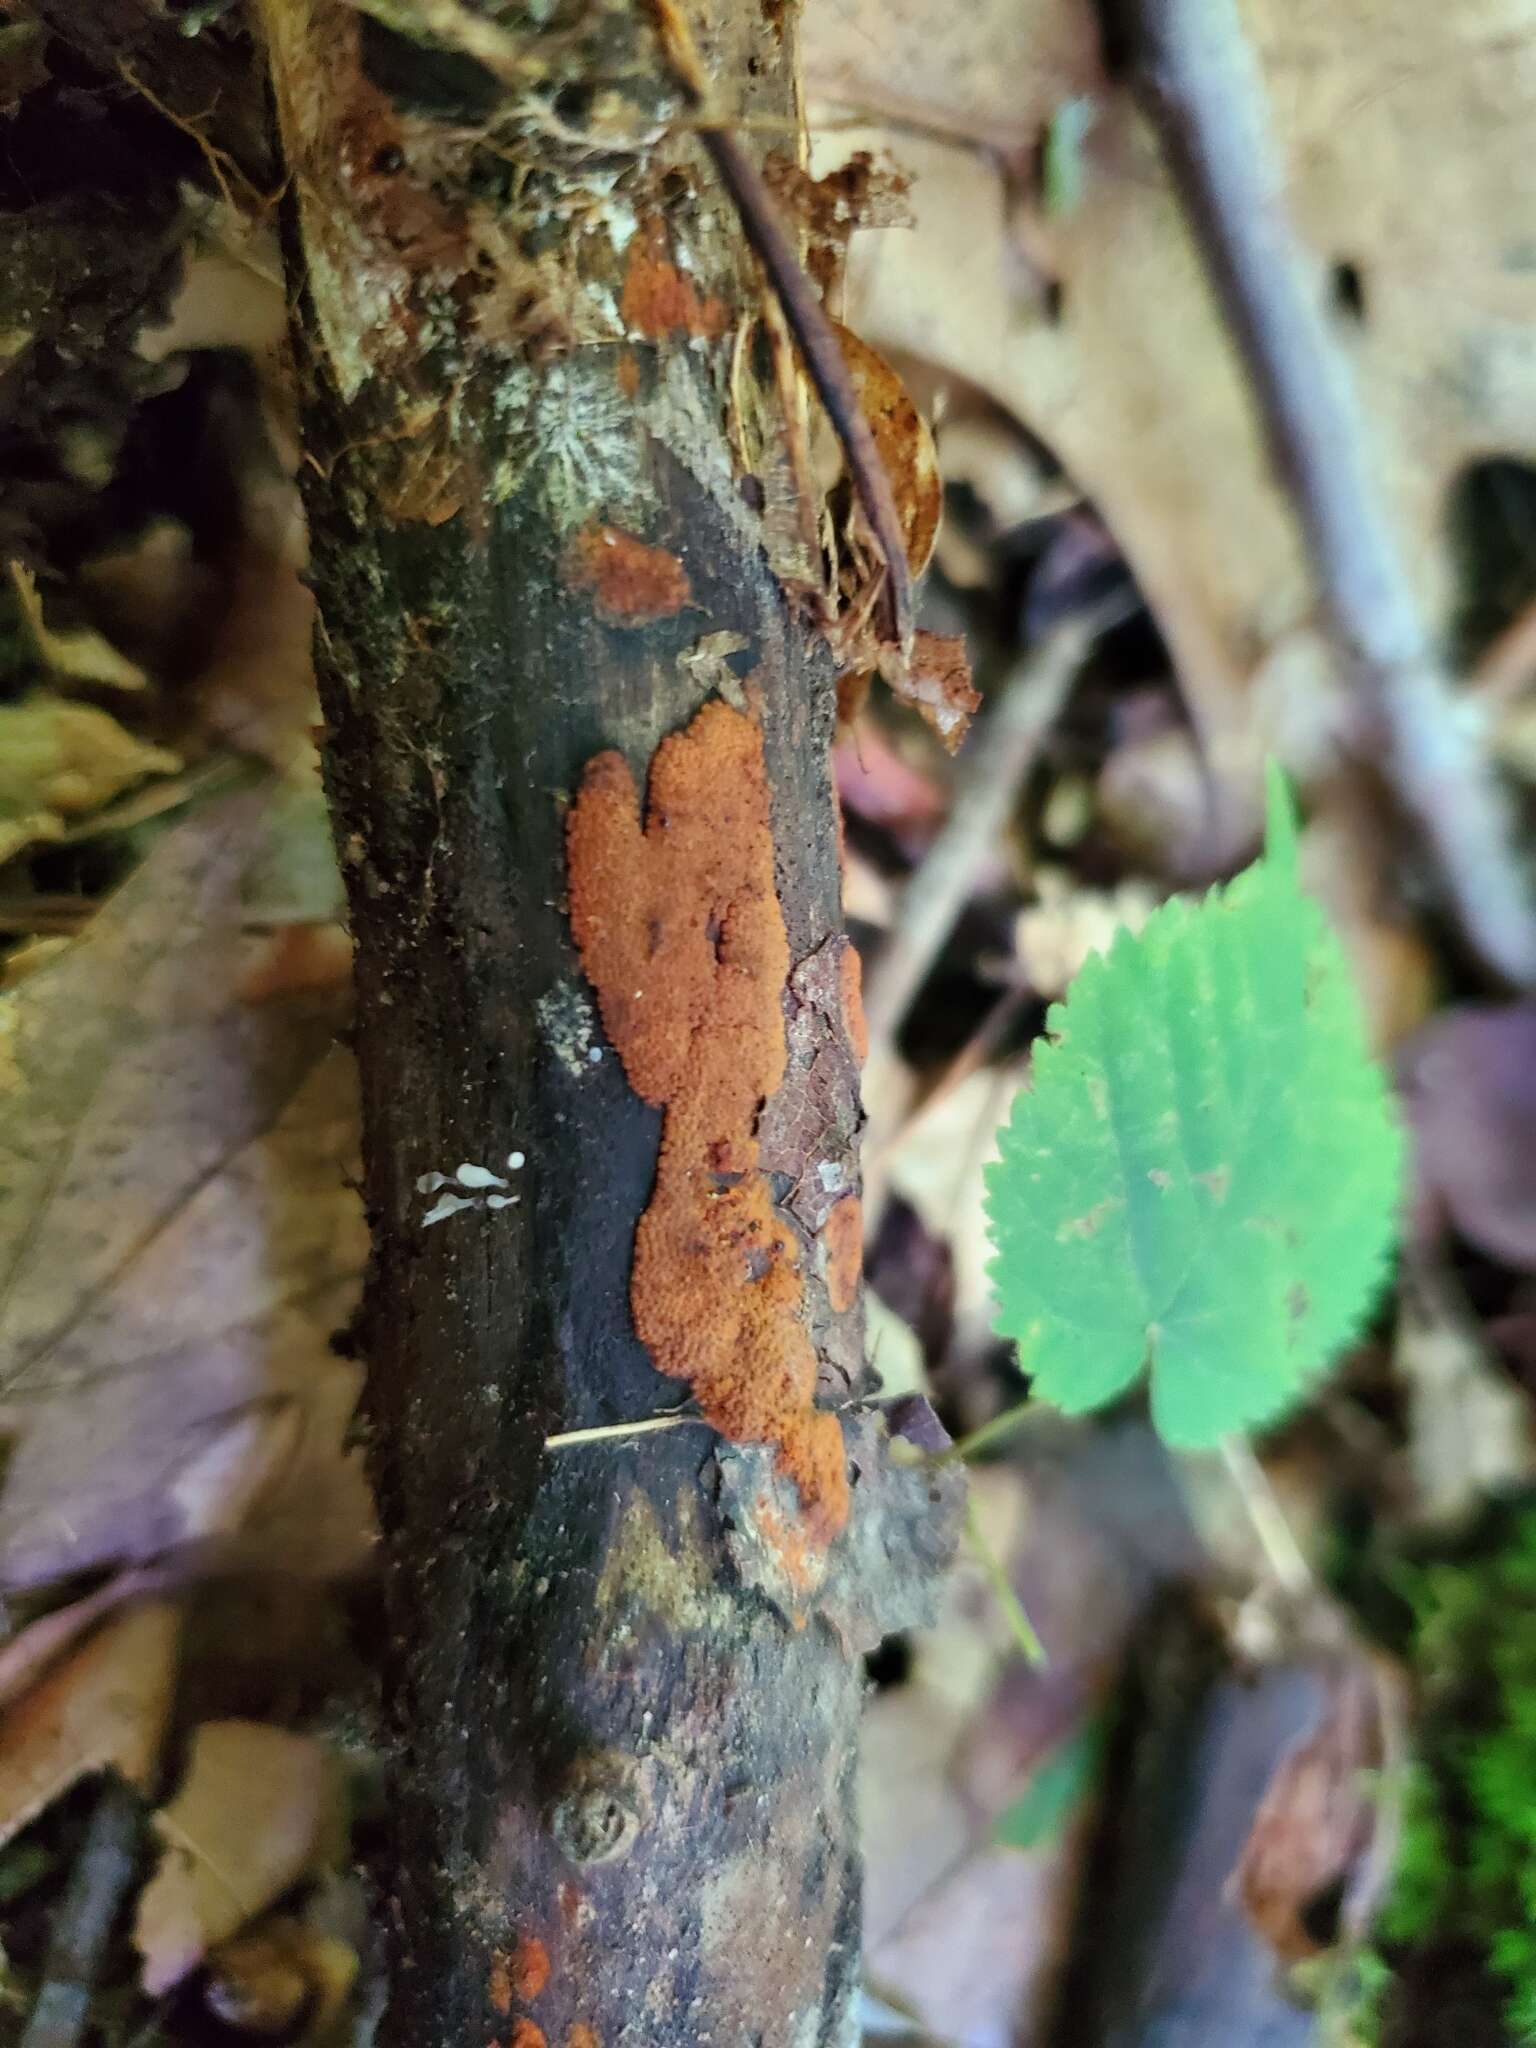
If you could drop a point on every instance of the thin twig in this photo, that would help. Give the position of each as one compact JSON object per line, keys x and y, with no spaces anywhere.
{"x":1277,"y":1539}
{"x":1194,"y":72}
{"x":611,"y":1432}
{"x":808,"y":322}
{"x":1019,"y":1623}
{"x":97,"y":1888}
{"x":997,"y":757}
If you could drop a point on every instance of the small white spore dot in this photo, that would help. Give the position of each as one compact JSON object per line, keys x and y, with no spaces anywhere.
{"x":595,"y":1054}
{"x":515,"y":1161}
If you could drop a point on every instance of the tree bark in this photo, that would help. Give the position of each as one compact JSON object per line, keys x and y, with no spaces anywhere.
{"x":551,"y":516}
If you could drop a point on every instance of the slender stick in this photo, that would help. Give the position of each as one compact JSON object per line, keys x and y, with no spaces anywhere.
{"x":1194,"y":72}
{"x":997,"y":757}
{"x":97,"y":1888}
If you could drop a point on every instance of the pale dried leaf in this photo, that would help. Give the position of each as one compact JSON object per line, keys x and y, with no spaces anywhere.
{"x":250,"y":1819}
{"x":62,"y":760}
{"x":1065,"y":923}
{"x":102,"y":1706}
{"x":1095,"y":324}
{"x":80,"y":655}
{"x":177,"y":1239}
{"x":1469,"y":1425}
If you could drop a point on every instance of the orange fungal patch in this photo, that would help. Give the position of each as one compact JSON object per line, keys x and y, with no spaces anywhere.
{"x":632,"y":583}
{"x":680,"y":931}
{"x":659,"y":300}
{"x":842,"y":1236}
{"x":582,"y":2036}
{"x":526,"y":2035}
{"x":530,"y":1967}
{"x":850,"y":974}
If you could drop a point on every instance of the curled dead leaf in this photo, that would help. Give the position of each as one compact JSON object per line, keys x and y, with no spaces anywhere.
{"x":905,"y":446}
{"x":1319,"y":1850}
{"x":63,"y":760}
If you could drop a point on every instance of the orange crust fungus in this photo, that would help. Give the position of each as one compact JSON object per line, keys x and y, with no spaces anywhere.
{"x":530,"y":1967}
{"x":842,"y":1237}
{"x":659,"y":300}
{"x":680,"y":931}
{"x":526,"y":2035}
{"x":850,"y":972}
{"x":632,"y":583}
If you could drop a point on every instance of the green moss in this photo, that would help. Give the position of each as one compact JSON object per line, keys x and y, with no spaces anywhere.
{"x":1463,"y":1901}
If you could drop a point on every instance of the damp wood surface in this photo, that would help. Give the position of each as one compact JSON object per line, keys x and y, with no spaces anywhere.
{"x":621,"y":1784}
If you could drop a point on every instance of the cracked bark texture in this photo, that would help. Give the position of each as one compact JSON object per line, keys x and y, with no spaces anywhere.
{"x":549,"y":519}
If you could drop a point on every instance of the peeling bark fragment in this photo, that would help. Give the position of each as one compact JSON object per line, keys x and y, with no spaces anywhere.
{"x":680,"y":931}
{"x":809,"y":1132}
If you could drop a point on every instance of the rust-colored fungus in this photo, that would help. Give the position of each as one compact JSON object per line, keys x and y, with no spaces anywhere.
{"x":530,"y":1967}
{"x":842,"y":1237}
{"x":681,"y":935}
{"x":582,"y":2036}
{"x":526,"y":2035}
{"x":632,"y":583}
{"x":658,"y":299}
{"x":851,"y":977}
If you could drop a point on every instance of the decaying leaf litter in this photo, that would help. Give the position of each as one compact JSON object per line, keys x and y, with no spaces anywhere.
{"x":183,"y":1533}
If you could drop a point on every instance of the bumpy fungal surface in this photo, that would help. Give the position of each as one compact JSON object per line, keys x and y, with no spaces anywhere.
{"x":680,"y":931}
{"x":631,"y":582}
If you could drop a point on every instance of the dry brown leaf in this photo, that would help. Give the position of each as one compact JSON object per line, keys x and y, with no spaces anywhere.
{"x":905,"y":445}
{"x":177,"y":1237}
{"x":102,"y":1706}
{"x":1311,"y":1869}
{"x":1094,"y":325}
{"x":984,"y":73}
{"x":60,"y":760}
{"x":251,"y":1818}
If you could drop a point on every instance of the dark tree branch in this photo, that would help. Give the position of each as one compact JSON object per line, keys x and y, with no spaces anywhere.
{"x":624,"y":1675}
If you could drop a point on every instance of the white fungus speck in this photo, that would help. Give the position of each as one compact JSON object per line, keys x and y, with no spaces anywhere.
{"x":469,"y":1176}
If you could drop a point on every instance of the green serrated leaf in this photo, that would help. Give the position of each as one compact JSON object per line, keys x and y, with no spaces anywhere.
{"x":1205,"y":1175}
